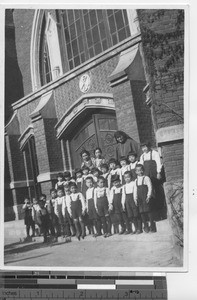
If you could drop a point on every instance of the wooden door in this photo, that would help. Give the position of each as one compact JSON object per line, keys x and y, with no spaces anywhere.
{"x":97,"y":132}
{"x":105,"y":126}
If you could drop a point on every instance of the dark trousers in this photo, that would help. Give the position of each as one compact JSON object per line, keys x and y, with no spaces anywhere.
{"x":32,"y":226}
{"x":106,"y":224}
{"x":148,"y":217}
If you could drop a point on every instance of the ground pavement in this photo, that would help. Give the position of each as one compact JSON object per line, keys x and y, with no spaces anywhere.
{"x":143,"y":250}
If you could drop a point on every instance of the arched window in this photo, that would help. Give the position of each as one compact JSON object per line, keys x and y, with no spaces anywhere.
{"x":50,"y":58}
{"x":86,"y":33}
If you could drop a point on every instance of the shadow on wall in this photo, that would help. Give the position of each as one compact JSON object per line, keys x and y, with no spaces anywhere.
{"x":9,"y":214}
{"x":13,"y":77}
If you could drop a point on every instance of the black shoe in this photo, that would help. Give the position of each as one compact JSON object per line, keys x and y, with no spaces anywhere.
{"x":105,"y":235}
{"x":146,"y":229}
{"x":139,"y":231}
{"x":127,"y":232}
{"x":109,"y":234}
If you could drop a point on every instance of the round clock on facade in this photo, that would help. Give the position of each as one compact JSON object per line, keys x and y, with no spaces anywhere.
{"x":84,"y":83}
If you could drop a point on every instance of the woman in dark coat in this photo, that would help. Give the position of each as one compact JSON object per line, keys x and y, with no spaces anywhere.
{"x":126,"y":144}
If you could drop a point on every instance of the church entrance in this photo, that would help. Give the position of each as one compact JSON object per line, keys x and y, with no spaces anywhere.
{"x":97,"y":131}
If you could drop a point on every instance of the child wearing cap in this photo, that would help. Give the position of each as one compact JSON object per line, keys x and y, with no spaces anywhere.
{"x":151,"y":161}
{"x":142,"y":195}
{"x":60,"y":181}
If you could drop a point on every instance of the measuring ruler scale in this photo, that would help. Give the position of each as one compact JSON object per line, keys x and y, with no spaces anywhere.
{"x":81,"y":285}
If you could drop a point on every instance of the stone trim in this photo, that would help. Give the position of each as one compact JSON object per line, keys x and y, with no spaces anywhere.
{"x":20,"y":184}
{"x":86,"y":101}
{"x":25,"y":136}
{"x":170,"y":133}
{"x":48,"y":176}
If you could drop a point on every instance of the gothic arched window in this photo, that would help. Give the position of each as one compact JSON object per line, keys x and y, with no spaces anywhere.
{"x":50,"y":58}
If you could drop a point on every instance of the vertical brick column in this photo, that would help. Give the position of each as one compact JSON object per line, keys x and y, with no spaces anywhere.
{"x":125,"y":111}
{"x":48,"y":148}
{"x":15,"y":162}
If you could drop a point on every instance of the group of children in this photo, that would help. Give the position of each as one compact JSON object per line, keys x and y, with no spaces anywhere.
{"x":102,"y":198}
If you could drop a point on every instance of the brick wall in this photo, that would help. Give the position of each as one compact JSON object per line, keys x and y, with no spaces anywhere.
{"x":66,"y":94}
{"x":53,"y":146}
{"x":163,"y":48}
{"x":41,"y":146}
{"x":125,"y":112}
{"x":142,"y":112}
{"x":13,"y":78}
{"x":173,"y":160}
{"x":23,"y":20}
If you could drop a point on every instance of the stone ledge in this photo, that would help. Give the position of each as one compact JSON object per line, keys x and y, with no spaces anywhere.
{"x":170,"y":133}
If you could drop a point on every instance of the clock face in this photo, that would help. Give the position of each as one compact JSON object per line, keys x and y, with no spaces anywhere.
{"x":84,"y":83}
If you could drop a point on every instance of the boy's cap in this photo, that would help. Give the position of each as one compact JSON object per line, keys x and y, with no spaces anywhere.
{"x":145,"y":143}
{"x":112,"y":160}
{"x":132,"y":153}
{"x":115,"y":177}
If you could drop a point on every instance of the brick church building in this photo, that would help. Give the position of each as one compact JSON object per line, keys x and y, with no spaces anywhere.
{"x":73,"y":77}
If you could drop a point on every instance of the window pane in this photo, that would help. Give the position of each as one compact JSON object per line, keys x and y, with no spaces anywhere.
{"x":69,"y":51}
{"x":95,"y":34}
{"x":109,"y":12}
{"x":104,"y":45}
{"x":122,"y":34}
{"x":87,"y":22}
{"x":102,"y":30}
{"x":112,"y":25}
{"x":91,"y":52}
{"x":80,"y":43}
{"x":119,"y":19}
{"x":75,"y":47}
{"x":76,"y":61}
{"x":89,"y":38}
{"x":78,"y":26}
{"x":114,"y":39}
{"x":98,"y":48}
{"x":76,"y":13}
{"x":70,"y":16}
{"x":71,"y":64}
{"x":67,"y":36}
{"x":72,"y":31}
{"x":99,"y":15}
{"x":85,"y":11}
{"x":65,"y":21}
{"x":82,"y":57}
{"x":93,"y":19}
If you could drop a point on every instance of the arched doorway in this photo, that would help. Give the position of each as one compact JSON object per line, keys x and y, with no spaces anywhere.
{"x":96,"y":131}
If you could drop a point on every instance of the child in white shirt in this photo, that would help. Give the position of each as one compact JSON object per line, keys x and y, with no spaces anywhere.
{"x":142,"y":197}
{"x":78,"y":208}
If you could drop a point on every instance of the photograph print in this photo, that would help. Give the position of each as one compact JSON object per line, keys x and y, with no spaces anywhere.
{"x":93,"y":162}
